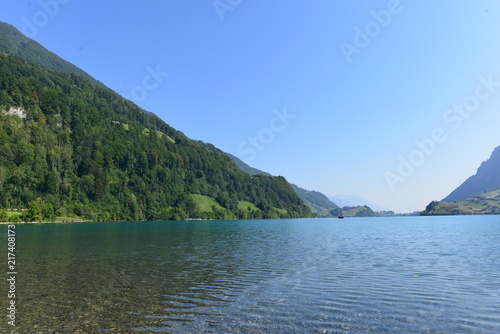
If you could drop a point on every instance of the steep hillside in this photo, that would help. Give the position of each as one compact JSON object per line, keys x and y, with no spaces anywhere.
{"x":479,"y":194}
{"x":318,"y":202}
{"x":244,"y":167}
{"x":86,"y":151}
{"x":487,"y":178}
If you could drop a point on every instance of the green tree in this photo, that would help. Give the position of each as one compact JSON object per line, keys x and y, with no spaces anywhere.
{"x":35,"y":210}
{"x":3,"y":215}
{"x":39,"y":210}
{"x":432,"y":205}
{"x":3,"y":176}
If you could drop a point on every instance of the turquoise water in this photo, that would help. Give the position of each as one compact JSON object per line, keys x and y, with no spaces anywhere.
{"x":366,"y":275}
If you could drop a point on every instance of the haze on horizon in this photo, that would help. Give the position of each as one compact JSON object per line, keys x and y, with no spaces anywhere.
{"x":394,"y":101}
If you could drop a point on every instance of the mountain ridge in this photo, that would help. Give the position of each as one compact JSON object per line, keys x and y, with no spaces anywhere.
{"x":318,"y":202}
{"x":14,"y":43}
{"x":245,"y":167}
{"x":487,"y":177}
{"x":479,"y":194}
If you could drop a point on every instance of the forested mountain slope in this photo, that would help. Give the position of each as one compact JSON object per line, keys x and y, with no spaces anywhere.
{"x":87,"y":151}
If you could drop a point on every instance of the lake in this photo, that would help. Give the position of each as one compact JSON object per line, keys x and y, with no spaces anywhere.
{"x":357,"y":275}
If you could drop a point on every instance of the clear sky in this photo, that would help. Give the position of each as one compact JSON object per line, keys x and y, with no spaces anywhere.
{"x":394,"y":101}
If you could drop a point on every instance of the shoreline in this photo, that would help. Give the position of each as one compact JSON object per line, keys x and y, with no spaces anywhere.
{"x":47,"y":222}
{"x":199,"y":219}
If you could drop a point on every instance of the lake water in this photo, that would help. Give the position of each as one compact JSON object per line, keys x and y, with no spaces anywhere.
{"x":366,"y":275}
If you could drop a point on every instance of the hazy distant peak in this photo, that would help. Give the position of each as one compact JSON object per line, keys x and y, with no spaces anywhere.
{"x":354,"y":200}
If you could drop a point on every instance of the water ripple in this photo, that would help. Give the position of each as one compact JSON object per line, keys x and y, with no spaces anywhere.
{"x":347,"y":289}
{"x":400,"y":275}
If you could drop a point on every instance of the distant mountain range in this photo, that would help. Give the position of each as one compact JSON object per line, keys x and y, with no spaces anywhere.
{"x":354,"y":201}
{"x":323,"y":206}
{"x":479,"y":194}
{"x":318,"y":202}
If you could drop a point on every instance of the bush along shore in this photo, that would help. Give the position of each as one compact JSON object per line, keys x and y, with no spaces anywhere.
{"x":38,"y":211}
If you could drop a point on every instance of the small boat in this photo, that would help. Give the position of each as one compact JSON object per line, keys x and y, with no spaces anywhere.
{"x":341,"y":215}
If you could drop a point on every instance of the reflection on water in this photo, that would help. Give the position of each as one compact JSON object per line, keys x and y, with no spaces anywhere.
{"x":383,"y":275}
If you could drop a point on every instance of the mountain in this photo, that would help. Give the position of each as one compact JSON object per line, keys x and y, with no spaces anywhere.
{"x":358,"y":211}
{"x":244,"y":167}
{"x":479,"y":194}
{"x":320,"y":205}
{"x":318,"y":202}
{"x":487,"y":178}
{"x":486,"y":203}
{"x":71,"y":147}
{"x":355,"y":201}
{"x":13,"y":43}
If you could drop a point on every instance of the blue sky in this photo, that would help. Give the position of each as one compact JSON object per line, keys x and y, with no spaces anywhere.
{"x":394,"y":101}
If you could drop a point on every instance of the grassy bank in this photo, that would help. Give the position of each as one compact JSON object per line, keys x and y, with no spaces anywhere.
{"x":13,"y":217}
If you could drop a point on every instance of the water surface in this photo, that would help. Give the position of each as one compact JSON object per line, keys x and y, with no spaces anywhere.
{"x":366,"y":275}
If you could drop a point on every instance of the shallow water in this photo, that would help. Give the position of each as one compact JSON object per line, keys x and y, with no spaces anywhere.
{"x":366,"y":275}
